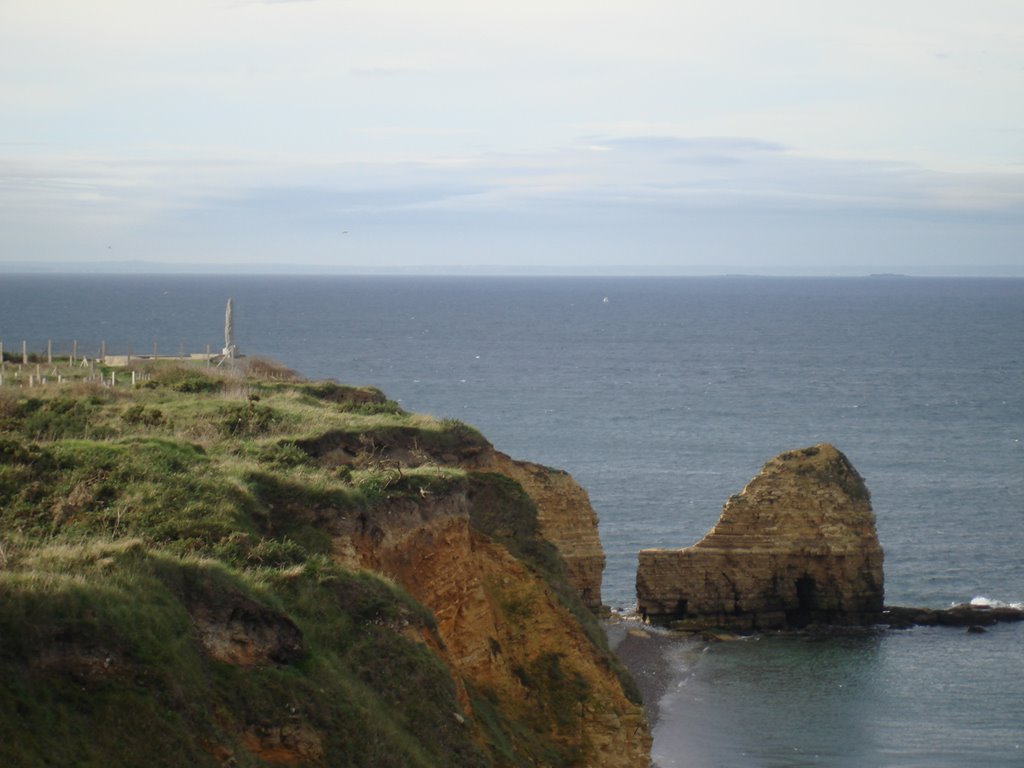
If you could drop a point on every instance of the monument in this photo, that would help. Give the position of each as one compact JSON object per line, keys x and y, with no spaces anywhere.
{"x":230,"y":348}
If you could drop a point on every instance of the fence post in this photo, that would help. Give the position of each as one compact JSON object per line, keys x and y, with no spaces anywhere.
{"x":49,"y":351}
{"x":24,"y":352}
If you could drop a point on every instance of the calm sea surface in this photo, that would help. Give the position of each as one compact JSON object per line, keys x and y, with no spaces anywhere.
{"x":664,"y":400}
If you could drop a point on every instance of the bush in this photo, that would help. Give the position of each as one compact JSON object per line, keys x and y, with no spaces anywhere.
{"x":139,"y":415}
{"x":184,"y":378}
{"x":246,"y":419}
{"x":59,"y":419}
{"x":284,"y":454}
{"x":240,"y":550}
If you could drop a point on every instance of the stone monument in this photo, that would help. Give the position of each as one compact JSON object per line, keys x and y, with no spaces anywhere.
{"x":230,"y":348}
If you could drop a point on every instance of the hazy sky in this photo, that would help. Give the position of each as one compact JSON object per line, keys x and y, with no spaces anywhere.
{"x":676,"y":137}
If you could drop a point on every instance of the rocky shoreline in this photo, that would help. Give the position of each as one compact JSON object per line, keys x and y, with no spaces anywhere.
{"x":795,"y":549}
{"x":963,"y":615}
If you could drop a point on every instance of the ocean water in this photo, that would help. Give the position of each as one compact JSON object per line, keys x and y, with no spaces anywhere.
{"x":662,"y":401}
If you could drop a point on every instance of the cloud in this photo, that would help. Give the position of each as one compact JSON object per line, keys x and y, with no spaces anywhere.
{"x":669,"y":199}
{"x":379,"y":71}
{"x":701,"y":144}
{"x":698,"y":173}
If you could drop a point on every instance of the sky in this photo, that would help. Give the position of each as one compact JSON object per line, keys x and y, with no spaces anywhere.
{"x":557,"y":137}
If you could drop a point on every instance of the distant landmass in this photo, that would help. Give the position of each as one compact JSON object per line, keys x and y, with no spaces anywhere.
{"x":143,"y":267}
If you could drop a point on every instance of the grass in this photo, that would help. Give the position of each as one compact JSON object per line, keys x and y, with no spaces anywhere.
{"x":99,"y":660}
{"x":122,"y":509}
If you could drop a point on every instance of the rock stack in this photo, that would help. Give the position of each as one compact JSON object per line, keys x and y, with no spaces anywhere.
{"x":796,"y":547}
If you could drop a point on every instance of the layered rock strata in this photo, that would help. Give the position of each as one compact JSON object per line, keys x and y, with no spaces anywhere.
{"x":564,"y":513}
{"x":797,"y":546}
{"x":503,"y":630}
{"x":565,"y":518}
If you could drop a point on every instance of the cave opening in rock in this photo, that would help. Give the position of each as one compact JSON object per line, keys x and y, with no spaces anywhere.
{"x":802,"y":615}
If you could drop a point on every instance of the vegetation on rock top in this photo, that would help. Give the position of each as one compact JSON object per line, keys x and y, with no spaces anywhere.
{"x":168,"y":594}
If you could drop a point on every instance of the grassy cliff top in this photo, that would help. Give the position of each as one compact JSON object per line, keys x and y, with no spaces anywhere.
{"x":167,"y":585}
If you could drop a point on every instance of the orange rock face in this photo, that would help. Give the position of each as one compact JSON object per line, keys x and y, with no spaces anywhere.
{"x":566,"y":519}
{"x":796,"y":546}
{"x":506,"y":635}
{"x":564,"y":513}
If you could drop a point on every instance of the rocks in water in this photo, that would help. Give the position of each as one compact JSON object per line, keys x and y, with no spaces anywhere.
{"x":797,"y":546}
{"x":963,"y":615}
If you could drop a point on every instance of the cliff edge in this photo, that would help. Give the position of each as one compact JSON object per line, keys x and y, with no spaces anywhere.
{"x":215,"y":569}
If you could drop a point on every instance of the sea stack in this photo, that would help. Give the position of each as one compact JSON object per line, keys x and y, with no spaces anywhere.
{"x":797,"y":546}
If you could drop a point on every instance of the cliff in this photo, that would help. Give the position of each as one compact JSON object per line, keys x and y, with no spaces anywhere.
{"x":216,"y":570}
{"x":796,"y":546}
{"x":564,"y":513}
{"x":566,"y":519}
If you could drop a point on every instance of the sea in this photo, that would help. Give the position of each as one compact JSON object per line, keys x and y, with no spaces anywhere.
{"x":662,"y":397}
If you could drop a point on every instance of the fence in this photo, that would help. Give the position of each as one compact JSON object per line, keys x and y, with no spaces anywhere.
{"x":68,"y":361}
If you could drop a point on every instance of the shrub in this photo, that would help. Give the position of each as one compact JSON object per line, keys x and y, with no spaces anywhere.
{"x":59,"y":418}
{"x":246,"y":419}
{"x":139,"y":415}
{"x":185,"y":378}
{"x":240,"y":550}
{"x":262,"y":368}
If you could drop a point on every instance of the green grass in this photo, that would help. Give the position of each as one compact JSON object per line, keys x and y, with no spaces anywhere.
{"x":100,"y":660}
{"x":123,"y":509}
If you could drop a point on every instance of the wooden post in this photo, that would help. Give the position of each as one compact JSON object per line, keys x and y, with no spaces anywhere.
{"x":103,"y":350}
{"x":207,"y":354}
{"x":49,"y":351}
{"x":133,"y":378}
{"x":113,"y":379}
{"x":1,"y":351}
{"x":24,"y":352}
{"x":74,"y":351}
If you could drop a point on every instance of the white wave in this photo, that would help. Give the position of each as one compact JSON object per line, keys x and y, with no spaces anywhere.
{"x":988,"y":602}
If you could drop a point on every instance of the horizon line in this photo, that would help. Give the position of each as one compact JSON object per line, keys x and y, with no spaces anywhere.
{"x":155,"y":269}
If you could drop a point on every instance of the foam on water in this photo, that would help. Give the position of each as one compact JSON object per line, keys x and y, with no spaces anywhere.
{"x":987,"y":602}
